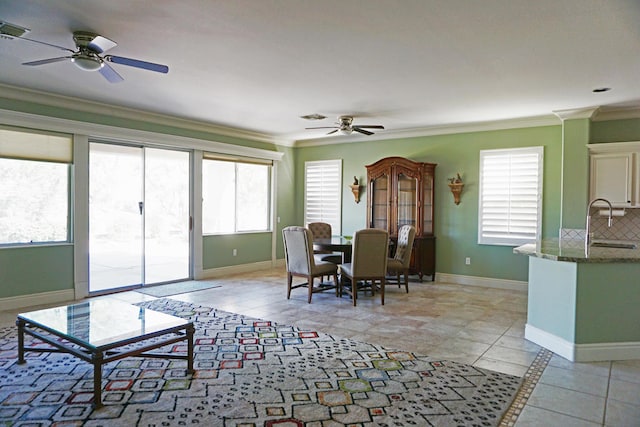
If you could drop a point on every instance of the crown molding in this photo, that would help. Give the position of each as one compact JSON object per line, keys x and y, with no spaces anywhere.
{"x":78,"y":104}
{"x":547,"y":120}
{"x":576,"y":113}
{"x":621,"y":113}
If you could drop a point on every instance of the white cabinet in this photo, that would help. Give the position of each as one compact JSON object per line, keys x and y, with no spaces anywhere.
{"x":612,"y":178}
{"x":614,"y":173}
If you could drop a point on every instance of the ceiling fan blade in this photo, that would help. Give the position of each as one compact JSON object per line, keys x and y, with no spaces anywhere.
{"x":323,"y":127}
{"x":159,"y":68}
{"x":333,"y":131}
{"x":101,"y":44}
{"x":46,"y":44}
{"x":371,"y":126}
{"x":47,"y":61}
{"x":110,"y":74}
{"x":365,"y":132}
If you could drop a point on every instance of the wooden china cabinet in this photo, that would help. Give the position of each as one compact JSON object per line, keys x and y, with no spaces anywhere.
{"x":400,"y":192}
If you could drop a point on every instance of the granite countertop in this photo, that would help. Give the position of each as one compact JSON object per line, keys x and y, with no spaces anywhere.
{"x":574,"y":251}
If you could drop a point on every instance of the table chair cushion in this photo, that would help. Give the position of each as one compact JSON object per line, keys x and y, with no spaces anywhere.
{"x":324,"y":267}
{"x":395,"y":265}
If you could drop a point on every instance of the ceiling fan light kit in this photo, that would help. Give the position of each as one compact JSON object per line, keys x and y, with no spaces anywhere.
{"x":87,"y":63}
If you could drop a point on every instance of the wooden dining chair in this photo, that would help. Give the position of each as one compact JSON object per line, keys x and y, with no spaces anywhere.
{"x":298,"y":251}
{"x":399,"y":264}
{"x":322,"y":230}
{"x":368,"y":261}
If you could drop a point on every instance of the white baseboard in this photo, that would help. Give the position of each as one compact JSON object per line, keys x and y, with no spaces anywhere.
{"x":485,"y":282}
{"x":237,"y":269}
{"x":596,"y":352}
{"x":558,"y":345}
{"x":43,"y":298}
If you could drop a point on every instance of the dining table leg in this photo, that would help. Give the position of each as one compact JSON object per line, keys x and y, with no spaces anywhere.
{"x":346,"y":255}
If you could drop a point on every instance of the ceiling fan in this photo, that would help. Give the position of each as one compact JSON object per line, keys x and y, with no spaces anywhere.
{"x":88,"y":56}
{"x":345,"y":126}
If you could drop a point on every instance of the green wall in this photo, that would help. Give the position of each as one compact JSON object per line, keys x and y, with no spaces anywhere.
{"x":456,"y":226}
{"x":32,"y":269}
{"x":28,"y":270}
{"x":607,"y":303}
{"x":615,"y":131}
{"x":575,"y":179}
{"x":250,"y":248}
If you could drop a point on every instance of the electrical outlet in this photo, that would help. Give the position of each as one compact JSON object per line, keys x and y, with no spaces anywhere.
{"x":235,"y":252}
{"x":467,"y":260}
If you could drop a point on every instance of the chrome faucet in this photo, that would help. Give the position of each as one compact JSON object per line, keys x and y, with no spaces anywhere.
{"x":587,"y":238}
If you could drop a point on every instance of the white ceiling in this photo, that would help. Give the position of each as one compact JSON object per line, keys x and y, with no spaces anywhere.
{"x":410,"y":65}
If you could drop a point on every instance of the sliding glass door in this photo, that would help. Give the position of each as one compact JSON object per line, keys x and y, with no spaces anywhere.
{"x":167,"y":218}
{"x":139,"y":218}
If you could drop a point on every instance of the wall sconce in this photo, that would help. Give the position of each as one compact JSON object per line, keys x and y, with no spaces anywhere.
{"x":355,"y":189}
{"x":456,"y":185}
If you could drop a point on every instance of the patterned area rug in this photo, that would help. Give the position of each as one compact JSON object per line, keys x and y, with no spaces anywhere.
{"x":251,"y":372}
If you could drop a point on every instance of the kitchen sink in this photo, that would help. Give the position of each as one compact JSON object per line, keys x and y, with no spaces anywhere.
{"x":616,"y":245}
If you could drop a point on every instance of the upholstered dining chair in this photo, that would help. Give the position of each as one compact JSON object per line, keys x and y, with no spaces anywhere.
{"x":400,"y":261}
{"x":368,"y":261}
{"x":322,"y":230}
{"x":298,"y":250}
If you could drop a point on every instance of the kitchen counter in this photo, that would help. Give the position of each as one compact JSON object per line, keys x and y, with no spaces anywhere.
{"x":574,"y":251}
{"x":583,"y":305}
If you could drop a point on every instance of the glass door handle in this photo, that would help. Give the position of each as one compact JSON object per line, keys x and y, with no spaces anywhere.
{"x":141,"y":206}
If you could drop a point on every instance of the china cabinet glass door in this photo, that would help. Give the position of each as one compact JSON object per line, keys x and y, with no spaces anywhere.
{"x":407,"y":201}
{"x":379,"y":205}
{"x":427,"y":194}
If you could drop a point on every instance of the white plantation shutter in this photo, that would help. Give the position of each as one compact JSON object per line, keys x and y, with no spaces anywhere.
{"x":510,"y":200}
{"x":323,"y":193}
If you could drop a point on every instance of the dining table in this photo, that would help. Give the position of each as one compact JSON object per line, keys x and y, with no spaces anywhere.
{"x":342,"y":244}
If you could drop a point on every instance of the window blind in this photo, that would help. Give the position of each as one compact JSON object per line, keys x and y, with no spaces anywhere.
{"x":28,"y":144}
{"x":510,"y":202}
{"x":323,"y":193}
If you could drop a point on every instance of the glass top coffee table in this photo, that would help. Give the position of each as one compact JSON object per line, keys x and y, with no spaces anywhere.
{"x":102,"y":331}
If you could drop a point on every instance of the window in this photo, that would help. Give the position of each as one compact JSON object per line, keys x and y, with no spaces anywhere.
{"x":34,"y":186}
{"x":323,"y":193}
{"x":510,"y":201}
{"x":235,"y":195}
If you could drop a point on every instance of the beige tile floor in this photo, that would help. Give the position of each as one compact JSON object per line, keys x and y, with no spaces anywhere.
{"x":479,"y":326}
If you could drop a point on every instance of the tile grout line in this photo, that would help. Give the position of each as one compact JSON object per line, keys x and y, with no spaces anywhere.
{"x":530,"y":381}
{"x":606,"y":397}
